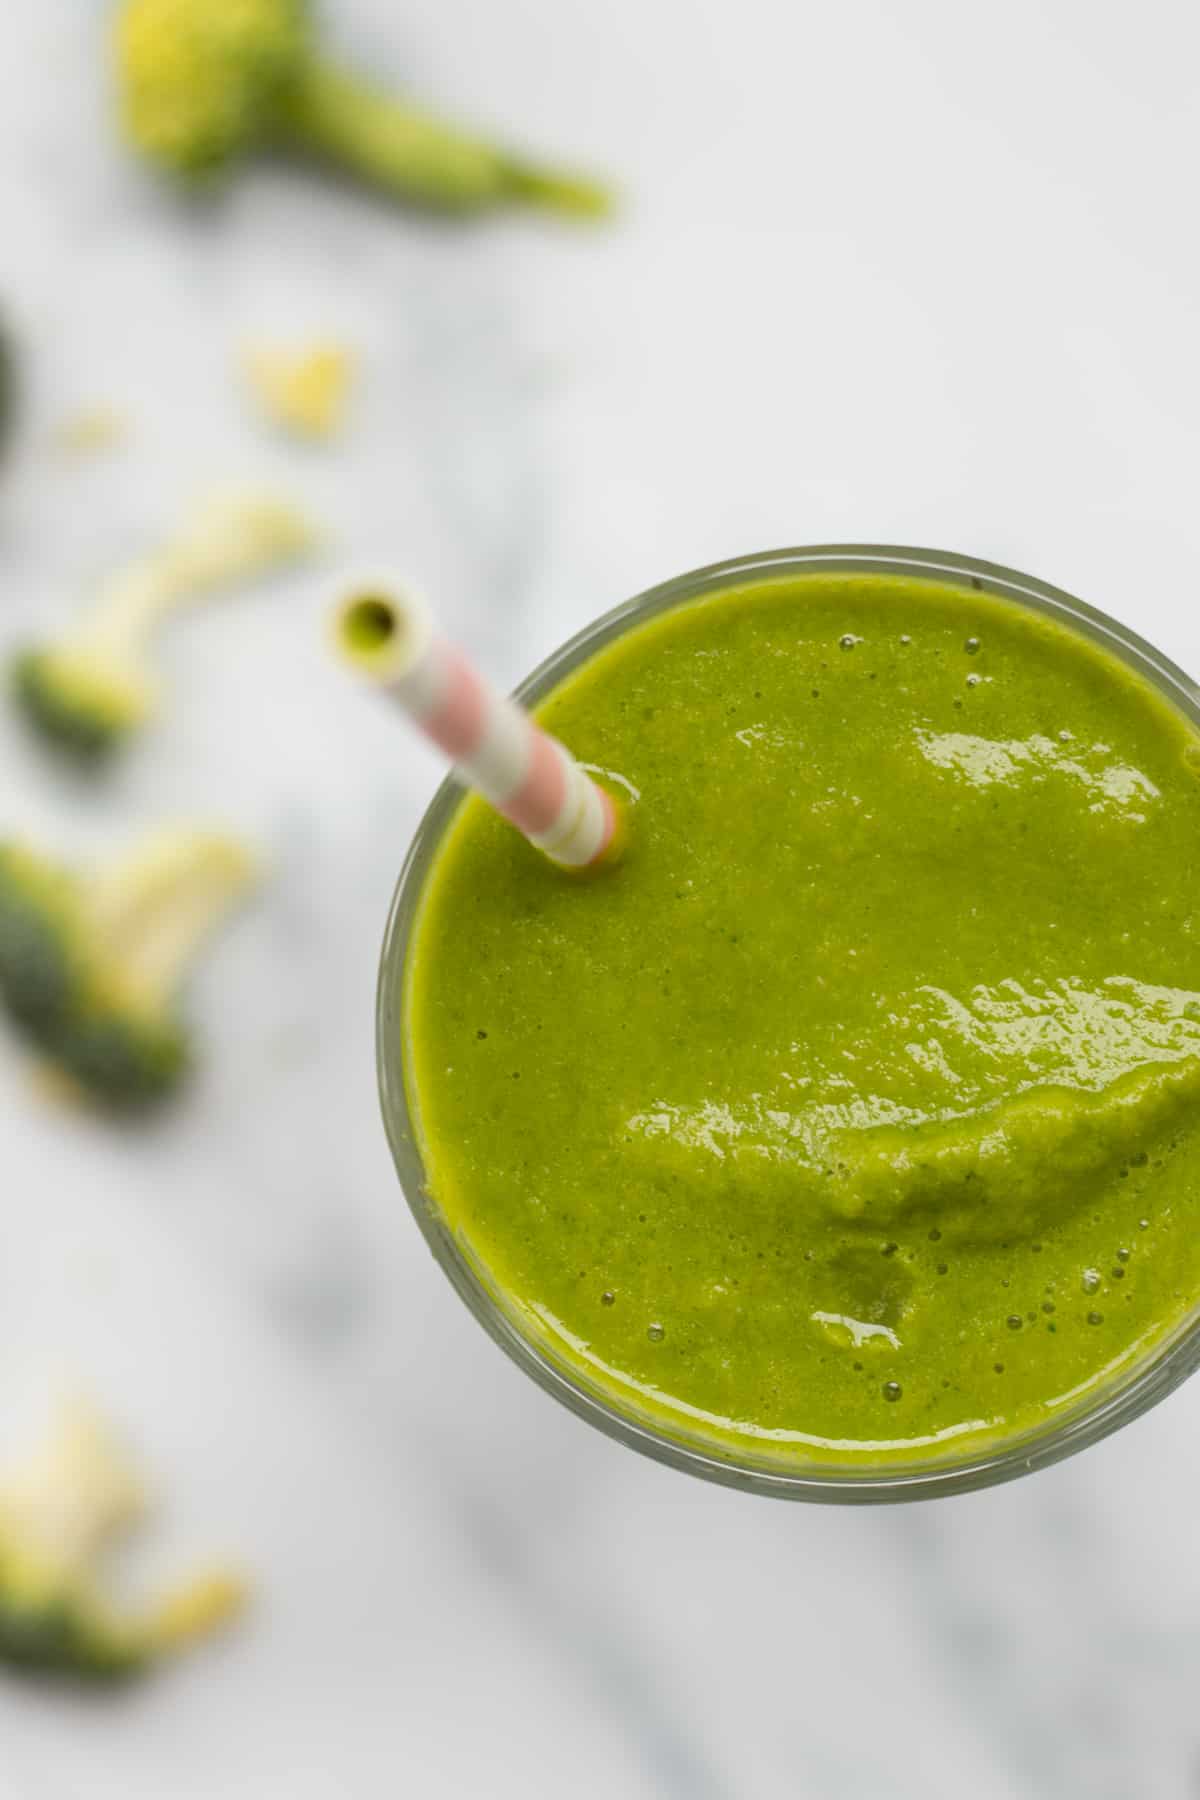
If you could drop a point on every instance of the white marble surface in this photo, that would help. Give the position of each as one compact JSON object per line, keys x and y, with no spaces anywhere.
{"x":926,"y":274}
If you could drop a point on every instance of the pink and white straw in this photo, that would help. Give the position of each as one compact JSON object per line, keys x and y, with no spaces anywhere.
{"x":388,"y":635}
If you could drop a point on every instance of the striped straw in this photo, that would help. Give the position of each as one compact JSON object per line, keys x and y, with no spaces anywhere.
{"x":387,"y":634}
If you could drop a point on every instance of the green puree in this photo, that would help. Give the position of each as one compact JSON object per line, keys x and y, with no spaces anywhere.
{"x":856,"y":1109}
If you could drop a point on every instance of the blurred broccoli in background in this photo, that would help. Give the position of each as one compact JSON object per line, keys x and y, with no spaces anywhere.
{"x":59,"y":1512}
{"x":202,"y":81}
{"x":8,"y":384}
{"x":92,"y":429}
{"x":88,"y":692}
{"x":302,"y":391}
{"x":91,"y":964}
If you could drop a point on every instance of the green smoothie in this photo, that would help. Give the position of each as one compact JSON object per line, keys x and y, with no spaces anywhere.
{"x":853,"y":1116}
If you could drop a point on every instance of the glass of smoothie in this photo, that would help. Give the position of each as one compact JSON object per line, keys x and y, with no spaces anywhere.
{"x":841,"y":1139}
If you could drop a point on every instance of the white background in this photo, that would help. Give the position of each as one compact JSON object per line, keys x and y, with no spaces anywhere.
{"x":923,"y":273}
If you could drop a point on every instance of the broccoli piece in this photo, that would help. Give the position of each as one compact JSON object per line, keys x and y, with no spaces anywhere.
{"x":8,"y":385}
{"x":87,"y":693}
{"x":91,"y":430}
{"x":90,"y":965}
{"x":59,"y":1513}
{"x":302,"y":391}
{"x":201,"y":81}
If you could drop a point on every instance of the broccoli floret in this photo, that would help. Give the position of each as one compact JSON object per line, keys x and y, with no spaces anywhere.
{"x":91,"y":964}
{"x":202,"y":81}
{"x":8,"y":385}
{"x":91,"y":431}
{"x":302,"y":391}
{"x":59,"y":1513}
{"x":88,"y":692}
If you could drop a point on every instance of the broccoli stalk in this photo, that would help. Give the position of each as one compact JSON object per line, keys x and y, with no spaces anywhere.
{"x":60,"y":1511}
{"x":202,"y":80}
{"x":89,"y":691}
{"x":91,"y":965}
{"x":8,"y":385}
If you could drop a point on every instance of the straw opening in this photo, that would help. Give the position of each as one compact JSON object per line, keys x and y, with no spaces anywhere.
{"x":369,"y":625}
{"x":382,"y":632}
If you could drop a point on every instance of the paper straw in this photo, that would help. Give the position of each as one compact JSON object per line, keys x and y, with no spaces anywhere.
{"x":388,"y":635}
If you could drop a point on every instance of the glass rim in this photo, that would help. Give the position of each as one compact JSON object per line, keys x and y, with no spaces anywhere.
{"x":1136,"y":1387}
